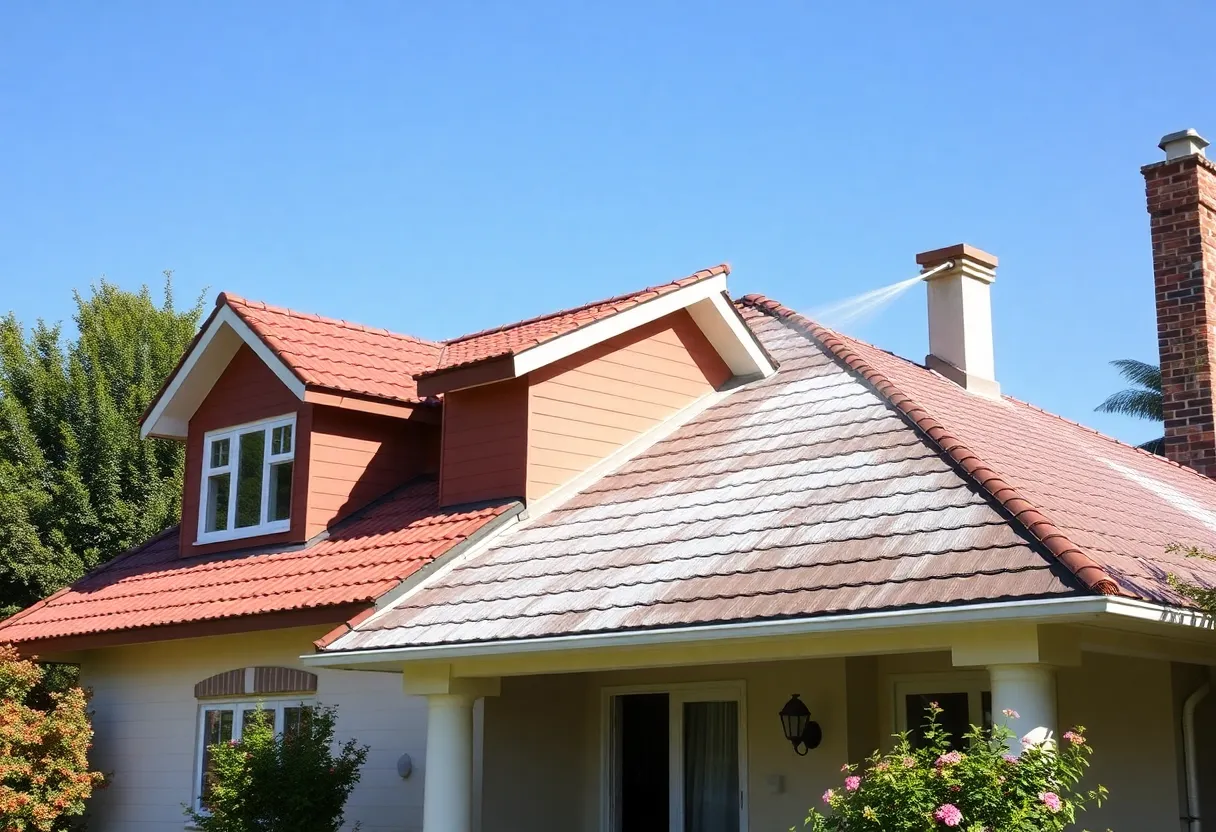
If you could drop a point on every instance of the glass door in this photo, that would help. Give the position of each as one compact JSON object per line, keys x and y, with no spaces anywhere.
{"x":676,"y":760}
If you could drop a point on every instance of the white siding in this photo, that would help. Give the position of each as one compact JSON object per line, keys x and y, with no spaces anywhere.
{"x":146,"y":720}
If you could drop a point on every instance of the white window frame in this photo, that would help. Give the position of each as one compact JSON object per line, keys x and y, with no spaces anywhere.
{"x":233,"y":434}
{"x":974,"y":684}
{"x":238,"y":707}
{"x":677,"y":694}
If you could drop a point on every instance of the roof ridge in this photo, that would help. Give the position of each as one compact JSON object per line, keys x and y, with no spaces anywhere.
{"x":695,"y":277}
{"x":236,"y":300}
{"x":1022,"y":510}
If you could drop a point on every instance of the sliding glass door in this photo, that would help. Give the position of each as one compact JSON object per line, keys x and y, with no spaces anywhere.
{"x":675,"y":759}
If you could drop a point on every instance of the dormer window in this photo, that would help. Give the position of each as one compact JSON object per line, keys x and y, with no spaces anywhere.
{"x":247,"y":480}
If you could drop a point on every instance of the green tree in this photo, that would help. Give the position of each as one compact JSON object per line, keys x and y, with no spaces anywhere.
{"x":294,"y":781}
{"x":77,"y":484}
{"x":1142,"y":400}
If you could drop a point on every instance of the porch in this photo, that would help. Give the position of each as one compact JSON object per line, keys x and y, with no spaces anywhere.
{"x":687,"y":737}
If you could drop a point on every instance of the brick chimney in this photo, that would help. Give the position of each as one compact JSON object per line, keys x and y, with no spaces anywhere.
{"x":1182,"y":205}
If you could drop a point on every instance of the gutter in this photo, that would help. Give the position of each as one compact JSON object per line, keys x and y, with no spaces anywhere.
{"x":1038,"y":610}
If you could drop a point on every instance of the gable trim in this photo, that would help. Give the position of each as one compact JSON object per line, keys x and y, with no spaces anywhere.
{"x":1022,"y":512}
{"x":185,"y":380}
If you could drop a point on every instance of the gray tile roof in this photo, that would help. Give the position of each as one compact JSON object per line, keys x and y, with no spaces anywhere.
{"x":804,"y":494}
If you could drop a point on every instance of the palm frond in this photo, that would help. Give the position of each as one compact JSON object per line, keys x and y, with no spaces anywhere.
{"x":1142,"y":404}
{"x":1154,"y":446}
{"x":1139,"y":372}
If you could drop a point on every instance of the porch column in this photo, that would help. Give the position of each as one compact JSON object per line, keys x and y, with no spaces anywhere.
{"x":448,"y":784}
{"x":1029,"y":689}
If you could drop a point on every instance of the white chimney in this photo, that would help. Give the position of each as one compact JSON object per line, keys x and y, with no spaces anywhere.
{"x":960,"y":317}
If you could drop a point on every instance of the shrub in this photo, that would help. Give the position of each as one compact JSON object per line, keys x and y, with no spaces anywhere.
{"x":984,"y":789}
{"x":290,"y":782}
{"x":44,"y":749}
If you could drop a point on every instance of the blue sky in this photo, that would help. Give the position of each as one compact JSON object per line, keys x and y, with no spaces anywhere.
{"x":438,"y":168}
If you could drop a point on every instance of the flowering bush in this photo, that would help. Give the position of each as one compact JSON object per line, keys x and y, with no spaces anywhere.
{"x":295,"y":781}
{"x":44,"y":749}
{"x":984,"y":789}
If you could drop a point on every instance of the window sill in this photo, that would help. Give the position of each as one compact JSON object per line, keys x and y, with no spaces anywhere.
{"x":240,"y":534}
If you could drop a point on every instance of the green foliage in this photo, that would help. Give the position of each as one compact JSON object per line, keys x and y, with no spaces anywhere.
{"x":291,"y":782}
{"x":985,"y":789}
{"x":1142,"y":401}
{"x":1202,"y":597}
{"x":77,"y":484}
{"x":44,"y":767}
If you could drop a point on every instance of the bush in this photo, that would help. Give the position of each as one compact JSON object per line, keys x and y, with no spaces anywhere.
{"x":44,"y":747}
{"x":289,"y":782}
{"x":985,"y":789}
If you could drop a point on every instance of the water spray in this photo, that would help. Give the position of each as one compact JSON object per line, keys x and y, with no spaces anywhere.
{"x":860,"y":307}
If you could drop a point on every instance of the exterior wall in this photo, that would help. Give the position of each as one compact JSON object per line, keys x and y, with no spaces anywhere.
{"x":246,"y":392}
{"x":485,"y":432}
{"x":543,"y":737}
{"x":356,"y":457}
{"x":542,"y":750}
{"x":146,"y":722}
{"x":588,"y":405}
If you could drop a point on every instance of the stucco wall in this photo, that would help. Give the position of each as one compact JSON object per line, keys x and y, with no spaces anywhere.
{"x":146,"y":720}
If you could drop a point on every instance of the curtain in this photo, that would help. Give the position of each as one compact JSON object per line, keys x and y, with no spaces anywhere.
{"x":711,"y":767}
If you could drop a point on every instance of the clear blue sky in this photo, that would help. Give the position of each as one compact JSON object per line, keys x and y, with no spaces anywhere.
{"x":437,"y":168}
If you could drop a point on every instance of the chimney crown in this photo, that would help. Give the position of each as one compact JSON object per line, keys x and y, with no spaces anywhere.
{"x":1183,"y":143}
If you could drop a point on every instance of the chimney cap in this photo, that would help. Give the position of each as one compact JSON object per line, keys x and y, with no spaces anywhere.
{"x":929,"y":259}
{"x":1186,"y":142}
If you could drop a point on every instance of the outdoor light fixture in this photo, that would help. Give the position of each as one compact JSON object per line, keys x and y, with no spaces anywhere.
{"x":802,"y":731}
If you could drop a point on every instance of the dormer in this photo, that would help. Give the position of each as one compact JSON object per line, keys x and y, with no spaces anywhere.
{"x":531,"y":406}
{"x":291,"y":422}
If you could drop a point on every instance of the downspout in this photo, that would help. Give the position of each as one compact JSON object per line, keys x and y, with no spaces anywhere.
{"x":1189,"y":754}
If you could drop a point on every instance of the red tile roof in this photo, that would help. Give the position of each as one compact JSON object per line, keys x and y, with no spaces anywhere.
{"x":517,"y":337}
{"x":153,"y":586}
{"x":338,"y":355}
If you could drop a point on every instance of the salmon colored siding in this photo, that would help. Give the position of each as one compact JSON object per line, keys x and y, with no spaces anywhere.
{"x":246,"y":392}
{"x":485,"y":443}
{"x":356,"y":457}
{"x":586,"y":406}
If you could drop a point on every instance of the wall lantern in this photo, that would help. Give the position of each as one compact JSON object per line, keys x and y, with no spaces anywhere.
{"x":802,"y":731}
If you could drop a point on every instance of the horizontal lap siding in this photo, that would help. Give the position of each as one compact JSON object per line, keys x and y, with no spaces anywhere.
{"x":247,"y":391}
{"x":356,"y":457}
{"x":587,"y":406}
{"x":485,"y":438}
{"x":146,"y":723}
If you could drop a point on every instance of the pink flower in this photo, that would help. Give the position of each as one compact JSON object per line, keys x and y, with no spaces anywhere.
{"x":1011,"y":713}
{"x":1027,"y":741}
{"x":1051,"y":800}
{"x":1010,"y":758}
{"x":1074,"y":738}
{"x":828,"y":795}
{"x":948,"y":814}
{"x":852,"y":783}
{"x":949,"y":759}
{"x":909,"y":762}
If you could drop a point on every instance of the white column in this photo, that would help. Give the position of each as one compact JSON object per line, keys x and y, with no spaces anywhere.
{"x":448,"y":778}
{"x":1029,"y":689}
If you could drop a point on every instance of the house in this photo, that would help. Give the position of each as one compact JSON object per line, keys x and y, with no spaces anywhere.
{"x":565,"y":574}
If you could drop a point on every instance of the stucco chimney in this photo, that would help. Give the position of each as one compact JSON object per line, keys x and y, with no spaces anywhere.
{"x":1181,"y":195}
{"x":960,"y":317}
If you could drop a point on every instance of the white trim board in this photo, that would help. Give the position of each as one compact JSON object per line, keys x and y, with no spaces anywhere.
{"x":169,"y":418}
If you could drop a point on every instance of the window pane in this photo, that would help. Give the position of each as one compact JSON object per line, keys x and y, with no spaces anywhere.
{"x":280,"y":442}
{"x":217,"y":502}
{"x":249,"y":479}
{"x":280,"y":491}
{"x":293,"y":718}
{"x":247,"y":717}
{"x":219,"y":453}
{"x":217,"y":728}
{"x":711,"y":766}
{"x":955,"y":717}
